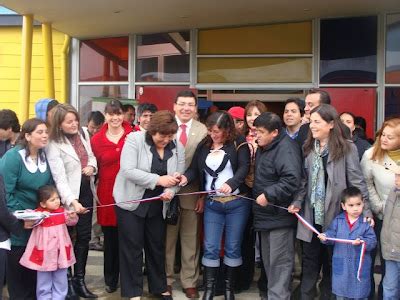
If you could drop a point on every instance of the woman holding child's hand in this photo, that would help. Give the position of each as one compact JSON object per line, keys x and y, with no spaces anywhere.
{"x":331,"y":164}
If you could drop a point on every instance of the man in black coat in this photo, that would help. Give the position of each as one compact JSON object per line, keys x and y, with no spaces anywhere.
{"x":8,"y":224}
{"x":277,"y":177}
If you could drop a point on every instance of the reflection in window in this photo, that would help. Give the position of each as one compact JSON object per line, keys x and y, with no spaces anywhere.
{"x":348,"y":50}
{"x":104,"y":59}
{"x":163,"y":57}
{"x":93,"y":98}
{"x":392,"y":102}
{"x":393,"y":48}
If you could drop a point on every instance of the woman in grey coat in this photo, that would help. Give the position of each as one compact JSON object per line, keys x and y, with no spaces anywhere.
{"x":331,"y":164}
{"x":150,"y":166}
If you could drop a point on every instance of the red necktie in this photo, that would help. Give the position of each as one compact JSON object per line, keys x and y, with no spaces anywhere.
{"x":183,"y":137}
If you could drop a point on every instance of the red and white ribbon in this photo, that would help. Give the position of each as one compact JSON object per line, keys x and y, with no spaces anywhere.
{"x":344,"y":241}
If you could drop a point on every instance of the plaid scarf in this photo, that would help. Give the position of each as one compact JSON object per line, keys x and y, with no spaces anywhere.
{"x":318,"y":183}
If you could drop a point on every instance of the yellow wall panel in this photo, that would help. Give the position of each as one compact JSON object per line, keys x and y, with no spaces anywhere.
{"x":10,"y":63}
{"x":254,"y":70}
{"x":288,"y":38}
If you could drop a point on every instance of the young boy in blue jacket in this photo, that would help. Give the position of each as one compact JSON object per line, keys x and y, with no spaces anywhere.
{"x":350,"y":225}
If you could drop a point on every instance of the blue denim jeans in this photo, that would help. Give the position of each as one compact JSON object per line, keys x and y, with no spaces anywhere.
{"x":391,"y":281}
{"x":230,"y":217}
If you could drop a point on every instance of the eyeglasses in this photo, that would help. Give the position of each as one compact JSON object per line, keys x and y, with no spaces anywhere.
{"x":183,"y":104}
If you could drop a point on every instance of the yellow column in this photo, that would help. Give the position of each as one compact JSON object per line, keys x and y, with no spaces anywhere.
{"x":48,"y":60}
{"x":64,"y":69}
{"x":25,"y":83}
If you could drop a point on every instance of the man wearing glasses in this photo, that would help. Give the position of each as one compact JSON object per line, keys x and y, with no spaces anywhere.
{"x":190,"y":133}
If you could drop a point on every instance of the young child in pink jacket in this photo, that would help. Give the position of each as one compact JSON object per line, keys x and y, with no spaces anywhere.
{"x":49,"y":250}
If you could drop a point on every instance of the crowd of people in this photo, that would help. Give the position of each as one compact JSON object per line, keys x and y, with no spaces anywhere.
{"x":245,"y":187}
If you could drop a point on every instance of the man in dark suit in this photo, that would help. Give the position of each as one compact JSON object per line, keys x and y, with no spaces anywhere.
{"x":314,"y":98}
{"x":189,"y":134}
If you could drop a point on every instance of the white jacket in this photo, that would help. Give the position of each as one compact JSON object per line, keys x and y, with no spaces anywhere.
{"x":380,"y":180}
{"x":66,"y":168}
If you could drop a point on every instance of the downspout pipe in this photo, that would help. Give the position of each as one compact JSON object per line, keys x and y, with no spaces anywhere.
{"x":64,"y":69}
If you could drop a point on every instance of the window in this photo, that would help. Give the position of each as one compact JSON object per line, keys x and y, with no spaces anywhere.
{"x":95,"y":97}
{"x":163,"y":57}
{"x":104,"y":59}
{"x":348,"y":50}
{"x":263,"y":54}
{"x":254,"y":70}
{"x":287,"y":38}
{"x":392,"y":102}
{"x":392,"y":74}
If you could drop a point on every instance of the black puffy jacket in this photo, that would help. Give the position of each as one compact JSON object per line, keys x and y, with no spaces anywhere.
{"x":278,"y":172}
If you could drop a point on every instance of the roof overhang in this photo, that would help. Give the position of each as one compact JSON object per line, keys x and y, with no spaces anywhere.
{"x":100,"y":18}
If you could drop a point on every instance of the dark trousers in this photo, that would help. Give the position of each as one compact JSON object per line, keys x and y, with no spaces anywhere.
{"x":111,"y":255}
{"x":3,"y":262}
{"x":374,"y":253}
{"x":245,"y":272}
{"x":314,"y":256}
{"x":84,"y":225}
{"x":21,"y":282}
{"x":135,"y":234}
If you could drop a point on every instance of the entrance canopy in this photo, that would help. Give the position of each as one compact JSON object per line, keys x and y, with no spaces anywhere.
{"x":100,"y":18}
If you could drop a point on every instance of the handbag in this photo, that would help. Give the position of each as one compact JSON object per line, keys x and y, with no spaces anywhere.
{"x":173,"y":211}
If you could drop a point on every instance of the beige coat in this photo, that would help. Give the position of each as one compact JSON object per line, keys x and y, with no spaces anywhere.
{"x":196,"y":134}
{"x":390,"y":235}
{"x":379,"y":179}
{"x":66,"y":168}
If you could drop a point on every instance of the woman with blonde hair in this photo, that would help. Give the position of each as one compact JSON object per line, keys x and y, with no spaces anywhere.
{"x":378,"y":164}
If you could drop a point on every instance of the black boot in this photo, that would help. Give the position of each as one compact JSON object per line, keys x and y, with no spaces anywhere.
{"x":79,"y":284}
{"x":209,"y":276}
{"x":71,"y":291}
{"x":230,"y":273}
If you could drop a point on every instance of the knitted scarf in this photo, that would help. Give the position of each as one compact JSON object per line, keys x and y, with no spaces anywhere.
{"x":318,"y":183}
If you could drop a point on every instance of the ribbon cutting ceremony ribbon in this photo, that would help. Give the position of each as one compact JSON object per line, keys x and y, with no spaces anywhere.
{"x":32,"y":215}
{"x":25,"y":215}
{"x":313,"y":229}
{"x":344,"y":241}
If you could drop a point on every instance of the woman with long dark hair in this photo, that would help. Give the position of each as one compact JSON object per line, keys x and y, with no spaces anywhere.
{"x":331,"y":164}
{"x":73,"y":166}
{"x":107,"y":145}
{"x":221,"y":162}
{"x":24,"y":169}
{"x":357,"y":135}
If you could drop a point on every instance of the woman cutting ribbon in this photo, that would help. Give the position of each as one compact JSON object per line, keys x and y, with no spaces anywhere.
{"x":221,"y":162}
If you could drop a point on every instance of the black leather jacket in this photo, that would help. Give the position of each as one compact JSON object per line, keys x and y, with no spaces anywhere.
{"x":278,"y":172}
{"x":8,"y":223}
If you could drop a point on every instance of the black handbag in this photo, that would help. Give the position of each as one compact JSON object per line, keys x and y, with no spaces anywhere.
{"x":173,"y":211}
